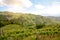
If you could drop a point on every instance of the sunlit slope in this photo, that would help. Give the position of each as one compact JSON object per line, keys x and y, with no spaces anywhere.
{"x":24,"y":19}
{"x":10,"y":15}
{"x":15,"y":31}
{"x":19,"y":32}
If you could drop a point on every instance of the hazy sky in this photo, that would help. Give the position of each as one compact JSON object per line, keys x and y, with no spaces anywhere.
{"x":40,"y":7}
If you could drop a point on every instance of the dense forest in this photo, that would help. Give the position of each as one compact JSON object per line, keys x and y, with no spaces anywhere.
{"x":25,"y":26}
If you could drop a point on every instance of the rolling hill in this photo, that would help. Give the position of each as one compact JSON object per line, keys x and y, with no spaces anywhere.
{"x":19,"y":26}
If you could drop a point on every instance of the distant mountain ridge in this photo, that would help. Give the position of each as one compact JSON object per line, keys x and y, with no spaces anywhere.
{"x":55,"y":18}
{"x":26,"y":19}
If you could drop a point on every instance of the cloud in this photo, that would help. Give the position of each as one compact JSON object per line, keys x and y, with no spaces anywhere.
{"x":26,"y":3}
{"x":54,"y":9}
{"x":0,"y":0}
{"x":16,"y":5}
{"x":51,"y":10}
{"x":39,"y":6}
{"x":1,"y":3}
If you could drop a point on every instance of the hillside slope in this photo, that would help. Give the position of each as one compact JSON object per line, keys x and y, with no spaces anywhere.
{"x":18,"y":26}
{"x":24,"y":19}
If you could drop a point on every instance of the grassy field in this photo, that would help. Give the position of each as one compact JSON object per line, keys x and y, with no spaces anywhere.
{"x":17,"y":32}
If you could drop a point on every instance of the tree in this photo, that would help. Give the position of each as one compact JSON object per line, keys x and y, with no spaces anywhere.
{"x":40,"y":25}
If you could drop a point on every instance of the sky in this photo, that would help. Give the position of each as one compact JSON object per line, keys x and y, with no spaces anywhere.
{"x":38,"y":7}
